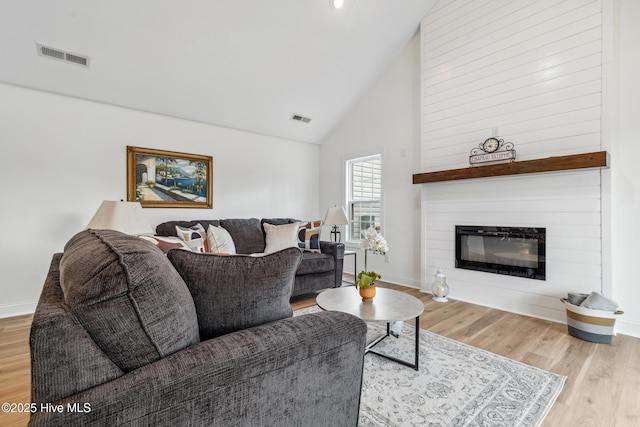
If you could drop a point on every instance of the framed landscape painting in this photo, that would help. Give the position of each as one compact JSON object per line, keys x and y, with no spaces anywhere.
{"x":168,"y":179}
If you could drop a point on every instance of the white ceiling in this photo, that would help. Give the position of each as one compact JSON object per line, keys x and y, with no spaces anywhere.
{"x":244,"y":64}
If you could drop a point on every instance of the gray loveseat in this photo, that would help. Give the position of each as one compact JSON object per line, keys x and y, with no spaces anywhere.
{"x":317,"y":271}
{"x":126,"y":335}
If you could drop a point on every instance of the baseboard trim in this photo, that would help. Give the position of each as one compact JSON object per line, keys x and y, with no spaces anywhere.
{"x":401,"y":281}
{"x":17,"y":309}
{"x":627,"y":328}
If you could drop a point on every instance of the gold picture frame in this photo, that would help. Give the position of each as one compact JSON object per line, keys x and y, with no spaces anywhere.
{"x":169,"y":179}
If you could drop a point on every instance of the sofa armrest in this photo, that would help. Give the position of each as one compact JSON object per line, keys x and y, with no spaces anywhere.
{"x":304,"y":370}
{"x":337,"y":251}
{"x":332,"y":248}
{"x":61,"y":349}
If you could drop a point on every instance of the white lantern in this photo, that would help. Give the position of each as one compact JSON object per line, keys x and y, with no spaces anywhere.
{"x":439,"y":287}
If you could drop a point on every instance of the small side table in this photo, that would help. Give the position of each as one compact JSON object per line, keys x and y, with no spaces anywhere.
{"x":355,"y":265}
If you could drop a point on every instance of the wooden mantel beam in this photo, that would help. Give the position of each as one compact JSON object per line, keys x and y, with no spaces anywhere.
{"x":550,"y":164}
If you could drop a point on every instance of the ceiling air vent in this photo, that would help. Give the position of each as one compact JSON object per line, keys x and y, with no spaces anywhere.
{"x":300,"y":118}
{"x":61,"y":55}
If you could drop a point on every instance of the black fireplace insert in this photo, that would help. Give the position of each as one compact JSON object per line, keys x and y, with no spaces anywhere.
{"x":514,"y":251}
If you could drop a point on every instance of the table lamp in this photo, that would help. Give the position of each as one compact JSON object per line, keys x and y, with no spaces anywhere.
{"x":335,"y":217}
{"x":126,"y":217}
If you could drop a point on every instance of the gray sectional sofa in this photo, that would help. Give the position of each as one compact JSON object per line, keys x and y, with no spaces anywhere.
{"x":126,"y":335}
{"x":317,"y":271}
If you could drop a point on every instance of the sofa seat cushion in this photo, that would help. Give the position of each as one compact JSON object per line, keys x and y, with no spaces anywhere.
{"x":129,"y":298}
{"x":313,"y":262}
{"x":236,"y":292}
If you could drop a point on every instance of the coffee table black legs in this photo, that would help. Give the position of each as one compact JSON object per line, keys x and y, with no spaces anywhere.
{"x":414,"y":365}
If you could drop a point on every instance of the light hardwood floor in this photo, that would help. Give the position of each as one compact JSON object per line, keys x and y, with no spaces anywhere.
{"x":602,"y":388}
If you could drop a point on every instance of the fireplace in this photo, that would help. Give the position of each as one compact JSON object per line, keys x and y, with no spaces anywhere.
{"x":514,"y":251}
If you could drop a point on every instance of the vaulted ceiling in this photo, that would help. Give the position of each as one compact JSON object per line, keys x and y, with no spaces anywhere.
{"x":244,"y":64}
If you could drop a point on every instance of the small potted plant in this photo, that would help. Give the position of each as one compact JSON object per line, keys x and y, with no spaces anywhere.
{"x":375,"y":243}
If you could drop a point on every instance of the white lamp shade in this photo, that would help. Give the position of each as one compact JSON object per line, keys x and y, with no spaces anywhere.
{"x":126,"y":217}
{"x":335,"y":216}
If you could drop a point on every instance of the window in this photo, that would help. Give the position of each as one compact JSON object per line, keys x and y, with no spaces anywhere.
{"x":364,"y":194}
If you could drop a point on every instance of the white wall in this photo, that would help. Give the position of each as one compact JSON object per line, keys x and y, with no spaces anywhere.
{"x":386,"y":120}
{"x":63,"y":156}
{"x":625,"y":171}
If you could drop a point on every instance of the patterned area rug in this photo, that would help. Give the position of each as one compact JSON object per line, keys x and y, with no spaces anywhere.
{"x":456,"y":385}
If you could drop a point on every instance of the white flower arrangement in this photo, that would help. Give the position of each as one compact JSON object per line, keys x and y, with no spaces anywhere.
{"x":375,"y":243}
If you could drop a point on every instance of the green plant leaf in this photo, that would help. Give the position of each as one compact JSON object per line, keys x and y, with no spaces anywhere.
{"x":366,"y":279}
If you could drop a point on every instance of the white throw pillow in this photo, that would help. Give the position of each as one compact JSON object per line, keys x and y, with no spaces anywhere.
{"x":279,"y":237}
{"x":220,"y":241}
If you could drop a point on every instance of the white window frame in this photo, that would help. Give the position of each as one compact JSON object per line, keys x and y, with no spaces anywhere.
{"x":350,"y":200}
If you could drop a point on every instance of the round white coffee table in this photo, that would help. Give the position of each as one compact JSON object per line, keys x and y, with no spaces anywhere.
{"x":387,"y":306}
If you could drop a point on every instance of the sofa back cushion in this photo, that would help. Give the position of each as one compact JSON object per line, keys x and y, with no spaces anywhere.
{"x":246,"y":233}
{"x":279,"y":221}
{"x":236,"y":292}
{"x":128,"y":297}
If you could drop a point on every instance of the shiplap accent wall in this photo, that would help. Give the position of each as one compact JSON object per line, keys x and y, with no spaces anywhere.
{"x":532,"y":69}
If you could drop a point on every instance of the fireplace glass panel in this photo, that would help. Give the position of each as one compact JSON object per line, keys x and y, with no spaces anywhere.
{"x":515,"y":251}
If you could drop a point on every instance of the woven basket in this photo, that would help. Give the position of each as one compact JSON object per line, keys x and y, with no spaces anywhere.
{"x":590,"y":325}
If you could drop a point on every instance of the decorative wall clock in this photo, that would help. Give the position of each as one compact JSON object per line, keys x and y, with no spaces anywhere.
{"x":490,"y":145}
{"x":492,"y":149}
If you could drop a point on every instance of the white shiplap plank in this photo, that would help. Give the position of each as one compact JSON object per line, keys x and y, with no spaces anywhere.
{"x":561,"y":17}
{"x":484,"y":20}
{"x":478,"y":120}
{"x":553,"y":126}
{"x":547,"y":55}
{"x":569,"y":133}
{"x":576,"y":256}
{"x":446,"y":75}
{"x":506,"y":86}
{"x":441,"y":23}
{"x":445,"y":11}
{"x":531,"y":92}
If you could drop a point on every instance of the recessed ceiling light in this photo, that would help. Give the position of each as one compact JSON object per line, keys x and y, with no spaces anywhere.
{"x":336,"y":4}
